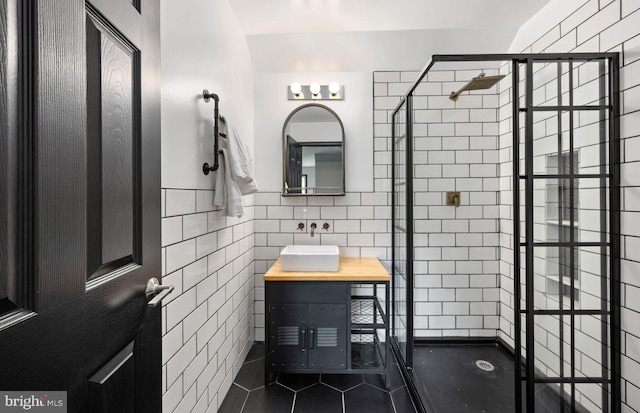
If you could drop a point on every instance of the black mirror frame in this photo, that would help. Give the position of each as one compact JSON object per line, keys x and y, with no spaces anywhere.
{"x":285,"y":152}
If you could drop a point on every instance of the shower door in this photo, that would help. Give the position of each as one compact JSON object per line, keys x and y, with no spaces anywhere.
{"x":402,"y":243}
{"x":566,"y":224}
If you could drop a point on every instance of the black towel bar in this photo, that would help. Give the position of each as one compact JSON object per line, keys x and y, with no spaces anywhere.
{"x":206,"y":168}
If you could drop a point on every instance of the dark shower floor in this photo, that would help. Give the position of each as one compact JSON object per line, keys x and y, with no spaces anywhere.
{"x":453,"y":383}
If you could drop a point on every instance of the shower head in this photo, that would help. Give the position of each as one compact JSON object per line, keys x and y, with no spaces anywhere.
{"x":479,"y":82}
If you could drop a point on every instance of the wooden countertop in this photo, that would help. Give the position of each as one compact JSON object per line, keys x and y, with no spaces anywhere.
{"x":351,"y":269}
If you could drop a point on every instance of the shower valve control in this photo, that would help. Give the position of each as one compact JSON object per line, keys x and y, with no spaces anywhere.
{"x":453,"y":198}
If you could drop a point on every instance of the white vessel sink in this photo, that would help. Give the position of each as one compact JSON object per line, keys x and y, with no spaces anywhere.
{"x":310,"y":258}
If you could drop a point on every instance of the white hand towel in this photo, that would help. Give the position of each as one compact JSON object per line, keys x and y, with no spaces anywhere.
{"x":227,"y":193}
{"x":240,"y":162}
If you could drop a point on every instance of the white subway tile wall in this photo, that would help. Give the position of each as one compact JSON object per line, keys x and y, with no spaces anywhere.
{"x":455,"y":149}
{"x":358,"y":225}
{"x":208,"y":320}
{"x":597,"y":26}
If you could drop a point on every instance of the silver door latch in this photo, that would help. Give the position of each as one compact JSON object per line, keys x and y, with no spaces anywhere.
{"x":160,"y":291}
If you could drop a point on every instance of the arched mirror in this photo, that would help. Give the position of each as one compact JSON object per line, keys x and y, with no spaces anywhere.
{"x":313,"y":152}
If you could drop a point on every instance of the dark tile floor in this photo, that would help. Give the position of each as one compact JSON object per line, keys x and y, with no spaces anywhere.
{"x":313,"y":393}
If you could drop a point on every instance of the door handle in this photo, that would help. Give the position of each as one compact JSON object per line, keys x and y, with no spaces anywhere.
{"x":312,"y":338}
{"x":160,"y":291}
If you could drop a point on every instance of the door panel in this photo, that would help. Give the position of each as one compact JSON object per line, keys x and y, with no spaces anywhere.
{"x":117,"y":151}
{"x":113,"y":136}
{"x":328,"y":329}
{"x":8,"y":118}
{"x":53,"y":189}
{"x":87,"y":185}
{"x":288,"y":336}
{"x":294,"y":179}
{"x":111,"y":389}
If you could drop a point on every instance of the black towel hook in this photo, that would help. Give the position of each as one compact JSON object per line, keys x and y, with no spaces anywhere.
{"x":206,"y":168}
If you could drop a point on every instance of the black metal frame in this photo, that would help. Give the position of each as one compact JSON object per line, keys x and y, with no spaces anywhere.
{"x":419,"y":398}
{"x":408,"y":356}
{"x":206,"y":168}
{"x":610,"y":374}
{"x":285,"y":155}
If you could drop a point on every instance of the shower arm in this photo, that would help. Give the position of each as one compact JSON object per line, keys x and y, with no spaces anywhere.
{"x":480,"y":82}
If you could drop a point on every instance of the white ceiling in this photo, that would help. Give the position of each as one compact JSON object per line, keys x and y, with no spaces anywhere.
{"x":368,"y":34}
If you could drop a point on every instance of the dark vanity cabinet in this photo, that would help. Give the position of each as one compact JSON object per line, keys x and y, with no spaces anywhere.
{"x":307,"y":325}
{"x":308,"y":336}
{"x":326,"y":326}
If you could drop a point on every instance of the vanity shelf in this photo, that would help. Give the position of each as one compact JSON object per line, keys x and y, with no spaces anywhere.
{"x":367,"y":351}
{"x":366,"y":311}
{"x":314,"y":324}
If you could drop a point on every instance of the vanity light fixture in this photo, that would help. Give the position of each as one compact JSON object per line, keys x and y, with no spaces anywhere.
{"x":315,"y":91}
{"x":296,"y":90}
{"x":334,"y":89}
{"x":314,"y":88}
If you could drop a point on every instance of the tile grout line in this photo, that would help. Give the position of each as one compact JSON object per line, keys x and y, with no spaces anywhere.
{"x":293,"y":405}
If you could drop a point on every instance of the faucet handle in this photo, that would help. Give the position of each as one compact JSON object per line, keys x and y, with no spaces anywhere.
{"x":325,"y":226}
{"x":300,"y":226}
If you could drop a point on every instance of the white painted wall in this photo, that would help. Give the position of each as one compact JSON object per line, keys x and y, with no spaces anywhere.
{"x":208,"y":321}
{"x":203,"y":47}
{"x":272,"y":109}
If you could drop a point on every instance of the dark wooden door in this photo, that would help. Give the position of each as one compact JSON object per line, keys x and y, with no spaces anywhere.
{"x":294,"y":169}
{"x":80,"y":201}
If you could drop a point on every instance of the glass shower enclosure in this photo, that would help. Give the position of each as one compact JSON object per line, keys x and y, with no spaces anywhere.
{"x":553,"y":177}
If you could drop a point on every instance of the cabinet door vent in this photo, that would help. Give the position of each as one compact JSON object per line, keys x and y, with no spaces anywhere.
{"x":288,"y":336}
{"x":327,"y":337}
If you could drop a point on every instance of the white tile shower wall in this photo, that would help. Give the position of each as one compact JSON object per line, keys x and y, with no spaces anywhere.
{"x":358,"y":224}
{"x":596,"y":26}
{"x":456,"y":249}
{"x":208,"y":320}
{"x":506,"y":214}
{"x":548,"y":264}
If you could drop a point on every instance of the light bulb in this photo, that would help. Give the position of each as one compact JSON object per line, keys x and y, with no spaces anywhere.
{"x":314,"y":88}
{"x":334,"y":88}
{"x":296,"y":88}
